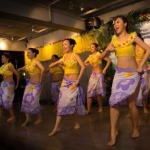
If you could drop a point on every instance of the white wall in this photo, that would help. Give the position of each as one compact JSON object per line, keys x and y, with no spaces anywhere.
{"x":106,"y":17}
{"x":25,"y":9}
{"x":12,"y":45}
{"x":50,"y":38}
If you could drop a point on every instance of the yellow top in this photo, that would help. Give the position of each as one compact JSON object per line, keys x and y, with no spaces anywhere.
{"x":4,"y":69}
{"x":70,"y":66}
{"x":125,"y":48}
{"x":139,"y":53}
{"x":56,"y":70}
{"x":32,"y":68}
{"x":94,"y":59}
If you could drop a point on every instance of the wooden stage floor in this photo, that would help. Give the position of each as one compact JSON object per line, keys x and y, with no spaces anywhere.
{"x":93,"y":134}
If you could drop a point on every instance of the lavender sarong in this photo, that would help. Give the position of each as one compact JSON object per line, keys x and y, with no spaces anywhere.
{"x":96,"y":85}
{"x":124,"y":84}
{"x":145,"y":91}
{"x":55,"y":91}
{"x":7,"y":94}
{"x":31,"y":97}
{"x":70,"y":99}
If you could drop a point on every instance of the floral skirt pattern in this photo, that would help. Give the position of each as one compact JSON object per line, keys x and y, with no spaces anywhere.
{"x":124,"y":84}
{"x":71,"y":99}
{"x":145,"y":91}
{"x":31,"y":97}
{"x":96,"y":85}
{"x":7,"y":94}
{"x":55,"y":91}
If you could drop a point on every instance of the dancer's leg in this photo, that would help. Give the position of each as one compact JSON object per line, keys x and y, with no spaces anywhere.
{"x":99,"y":100}
{"x":28,"y":119}
{"x":114,"y":114}
{"x":57,"y":126}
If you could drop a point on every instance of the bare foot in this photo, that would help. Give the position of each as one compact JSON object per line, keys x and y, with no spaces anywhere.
{"x":11,"y":119}
{"x":38,"y":121}
{"x":26,"y":122}
{"x":128,"y":115}
{"x":77,"y":126}
{"x":88,"y":112}
{"x":113,"y":139}
{"x":100,"y":110}
{"x":53,"y":132}
{"x":135,"y":133}
{"x":145,"y":111}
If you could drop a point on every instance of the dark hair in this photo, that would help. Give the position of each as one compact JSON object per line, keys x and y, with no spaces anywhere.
{"x":95,"y":44}
{"x":34,"y":50}
{"x":56,"y":57}
{"x":71,"y":41}
{"x":124,"y":19}
{"x":140,"y":36}
{"x":7,"y":55}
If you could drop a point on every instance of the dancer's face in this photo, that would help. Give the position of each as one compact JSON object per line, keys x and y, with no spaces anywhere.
{"x":54,"y":59}
{"x":119,"y":25}
{"x":4,"y":59}
{"x":30,"y":54}
{"x":93,"y":48}
{"x":67,"y":46}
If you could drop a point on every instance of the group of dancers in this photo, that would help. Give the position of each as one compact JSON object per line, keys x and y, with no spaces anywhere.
{"x":66,"y":72}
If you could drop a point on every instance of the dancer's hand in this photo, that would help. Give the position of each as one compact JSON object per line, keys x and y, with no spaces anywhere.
{"x":104,"y":72}
{"x":140,"y":70}
{"x":76,"y":83}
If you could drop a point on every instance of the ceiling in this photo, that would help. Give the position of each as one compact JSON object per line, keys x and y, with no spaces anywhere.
{"x":21,"y":29}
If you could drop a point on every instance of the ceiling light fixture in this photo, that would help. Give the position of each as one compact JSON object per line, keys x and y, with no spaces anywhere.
{"x":81,"y":8}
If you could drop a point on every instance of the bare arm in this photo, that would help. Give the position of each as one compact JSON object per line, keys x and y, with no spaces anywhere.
{"x":109,"y":49}
{"x":147,"y":52}
{"x":107,"y":64}
{"x":38,"y":63}
{"x":86,"y":62}
{"x":21,"y":69}
{"x":82,"y":67}
{"x":16,"y":73}
{"x":54,"y":64}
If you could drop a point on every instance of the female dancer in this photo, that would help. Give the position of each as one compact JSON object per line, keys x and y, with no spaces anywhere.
{"x":139,"y":56}
{"x":30,"y":102}
{"x":8,"y":85}
{"x":96,"y":81}
{"x":57,"y":76}
{"x":70,"y":96}
{"x":126,"y":80}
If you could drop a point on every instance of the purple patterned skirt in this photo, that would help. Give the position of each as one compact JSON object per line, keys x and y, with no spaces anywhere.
{"x":96,"y":85}
{"x":7,"y":94}
{"x":124,"y":84}
{"x":71,"y":99}
{"x":145,"y":91}
{"x":31,"y":97}
{"x":55,"y":91}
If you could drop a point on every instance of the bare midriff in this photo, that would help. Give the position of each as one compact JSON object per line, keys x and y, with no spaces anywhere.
{"x":57,"y":77}
{"x":8,"y":78}
{"x":35,"y":78}
{"x":71,"y":76}
{"x":128,"y":62}
{"x":96,"y":68}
